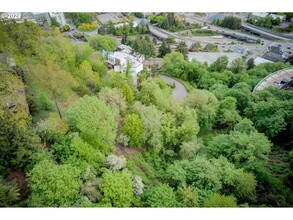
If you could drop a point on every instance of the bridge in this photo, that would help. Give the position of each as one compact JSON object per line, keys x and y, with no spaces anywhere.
{"x":281,"y":79}
{"x":266,"y":33}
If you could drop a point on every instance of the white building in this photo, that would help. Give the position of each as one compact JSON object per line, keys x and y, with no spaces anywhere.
{"x":258,"y":15}
{"x":259,"y":60}
{"x":59,"y":16}
{"x":119,"y":61}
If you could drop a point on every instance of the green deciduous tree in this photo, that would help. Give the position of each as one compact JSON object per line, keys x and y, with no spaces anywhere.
{"x":53,"y":185}
{"x":156,"y":92}
{"x":114,"y":98}
{"x":188,"y":196}
{"x":220,"y":64}
{"x":9,"y":194}
{"x":52,"y":128}
{"x":143,"y":46}
{"x":227,"y":114}
{"x":206,"y":105}
{"x":152,"y":125}
{"x":183,"y":49}
{"x":133,"y":128}
{"x":164,"y":49}
{"x":238,"y":65}
{"x":218,"y":200}
{"x":53,"y":80}
{"x":248,"y":151}
{"x":101,"y":42}
{"x":161,"y":196}
{"x":17,"y":141}
{"x":117,"y":189}
{"x":86,"y":152}
{"x":95,"y":121}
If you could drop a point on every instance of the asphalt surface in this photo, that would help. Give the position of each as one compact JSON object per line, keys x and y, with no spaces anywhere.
{"x":179,"y":92}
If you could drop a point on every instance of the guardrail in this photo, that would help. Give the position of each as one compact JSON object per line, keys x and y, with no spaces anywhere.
{"x":269,"y":31}
{"x":271,"y":75}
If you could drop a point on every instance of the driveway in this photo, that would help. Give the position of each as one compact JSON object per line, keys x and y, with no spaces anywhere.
{"x":179,"y":92}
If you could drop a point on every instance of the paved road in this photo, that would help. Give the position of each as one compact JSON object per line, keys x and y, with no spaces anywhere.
{"x":179,"y":92}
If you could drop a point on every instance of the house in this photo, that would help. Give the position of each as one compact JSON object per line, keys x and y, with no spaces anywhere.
{"x":240,"y":49}
{"x":59,"y":16}
{"x":275,"y":16}
{"x":259,"y":15}
{"x":259,"y":60}
{"x":42,"y":17}
{"x":120,"y":60}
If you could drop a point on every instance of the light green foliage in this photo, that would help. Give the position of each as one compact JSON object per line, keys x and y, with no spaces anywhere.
{"x":220,"y":64}
{"x":198,"y":172}
{"x":156,"y":92}
{"x":101,"y":42}
{"x":269,"y":116}
{"x":236,"y":181}
{"x":218,"y":200}
{"x":210,"y":47}
{"x":238,"y":65}
{"x":123,"y":139}
{"x":114,"y":98}
{"x":95,"y":121}
{"x":115,"y":162}
{"x":115,"y":80}
{"x":80,"y":17}
{"x":179,"y":127}
{"x":249,"y":151}
{"x":85,"y":151}
{"x":133,"y":128}
{"x":117,"y":189}
{"x":143,"y":46}
{"x":82,"y":52}
{"x":174,"y":64}
{"x":227,"y":114}
{"x":53,"y":185}
{"x":87,"y":75}
{"x":202,"y":174}
{"x":188,"y":149}
{"x":66,"y":27}
{"x":9,"y":193}
{"x":51,"y":79}
{"x":152,"y":125}
{"x":138,"y":185}
{"x":58,"y":49}
{"x":245,"y":126}
{"x":206,"y":105}
{"x":19,"y":38}
{"x":176,"y":173}
{"x":188,"y":196}
{"x":161,"y":196}
{"x":52,"y":128}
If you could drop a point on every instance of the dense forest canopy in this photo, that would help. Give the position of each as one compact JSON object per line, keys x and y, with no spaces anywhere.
{"x":80,"y":135}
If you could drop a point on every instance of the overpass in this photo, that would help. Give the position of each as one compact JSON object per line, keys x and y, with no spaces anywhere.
{"x":280,"y":79}
{"x":265,"y":33}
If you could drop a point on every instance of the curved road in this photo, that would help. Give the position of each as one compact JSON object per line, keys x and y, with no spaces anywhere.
{"x":179,"y":92}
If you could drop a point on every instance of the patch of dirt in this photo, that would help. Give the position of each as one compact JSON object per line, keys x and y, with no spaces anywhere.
{"x":20,"y":180}
{"x":126,"y":151}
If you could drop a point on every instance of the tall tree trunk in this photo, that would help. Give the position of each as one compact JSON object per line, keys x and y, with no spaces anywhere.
{"x":58,"y":109}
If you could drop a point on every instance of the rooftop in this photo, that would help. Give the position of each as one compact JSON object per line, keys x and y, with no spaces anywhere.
{"x":124,"y":56}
